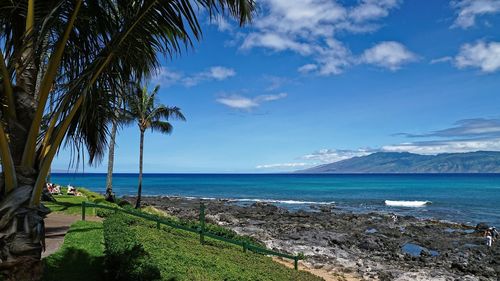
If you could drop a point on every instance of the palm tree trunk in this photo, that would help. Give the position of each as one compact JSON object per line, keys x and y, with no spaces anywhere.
{"x":111,"y":157}
{"x":139,"y":189}
{"x":22,"y":231}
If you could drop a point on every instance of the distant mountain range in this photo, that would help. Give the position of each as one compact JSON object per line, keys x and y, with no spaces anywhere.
{"x":405,"y":162}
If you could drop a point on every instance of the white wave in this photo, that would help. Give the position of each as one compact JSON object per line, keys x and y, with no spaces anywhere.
{"x":283,"y":201}
{"x":199,"y":198}
{"x":291,"y":202}
{"x":414,"y":204}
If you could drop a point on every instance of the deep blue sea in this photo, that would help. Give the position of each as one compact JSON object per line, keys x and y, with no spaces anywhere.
{"x":462,"y":198}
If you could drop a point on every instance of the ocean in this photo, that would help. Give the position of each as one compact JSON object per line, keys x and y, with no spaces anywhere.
{"x":461,"y":198}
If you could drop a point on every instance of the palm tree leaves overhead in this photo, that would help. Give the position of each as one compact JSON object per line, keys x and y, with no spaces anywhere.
{"x":64,"y":65}
{"x":110,"y":42}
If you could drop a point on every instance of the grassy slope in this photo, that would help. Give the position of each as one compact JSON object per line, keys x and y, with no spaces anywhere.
{"x":180,"y":255}
{"x":81,"y":256}
{"x":71,"y":205}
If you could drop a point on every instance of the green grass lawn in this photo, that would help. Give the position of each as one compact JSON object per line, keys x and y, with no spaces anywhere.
{"x":81,"y":256}
{"x":72,"y":205}
{"x":180,"y":256}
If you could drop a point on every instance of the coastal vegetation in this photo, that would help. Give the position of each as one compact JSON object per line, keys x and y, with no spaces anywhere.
{"x":81,"y":257}
{"x":124,"y":247}
{"x":77,"y":53}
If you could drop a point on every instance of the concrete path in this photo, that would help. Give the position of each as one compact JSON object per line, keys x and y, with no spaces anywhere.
{"x":56,"y":226}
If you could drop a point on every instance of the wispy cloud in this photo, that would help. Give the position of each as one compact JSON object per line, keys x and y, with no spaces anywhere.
{"x":475,"y":127}
{"x":309,"y":28}
{"x":276,"y":82}
{"x":167,"y":77}
{"x":482,"y":55}
{"x":335,"y":155}
{"x":246,"y":103}
{"x":389,"y":54}
{"x":222,"y":24}
{"x":448,"y":146}
{"x":441,"y":60}
{"x":306,"y":68}
{"x":468,"y":10}
{"x":283,"y":165}
{"x":464,"y":136}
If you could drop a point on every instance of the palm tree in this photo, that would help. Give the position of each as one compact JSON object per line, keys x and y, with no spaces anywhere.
{"x":144,"y":109}
{"x":120,"y":117}
{"x":81,"y":52}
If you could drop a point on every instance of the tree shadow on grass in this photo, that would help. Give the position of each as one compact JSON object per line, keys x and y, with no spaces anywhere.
{"x":73,"y":264}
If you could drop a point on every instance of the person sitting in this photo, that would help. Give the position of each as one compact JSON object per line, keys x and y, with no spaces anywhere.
{"x":56,"y":189}
{"x":71,"y":190}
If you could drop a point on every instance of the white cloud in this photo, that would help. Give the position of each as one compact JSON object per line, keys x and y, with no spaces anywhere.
{"x":283,"y":165}
{"x":263,"y":98}
{"x":452,"y":146}
{"x":464,"y":136}
{"x":275,"y":82}
{"x":238,"y":102}
{"x":468,"y":10}
{"x":306,"y":68}
{"x":335,"y":155}
{"x":247,"y":103}
{"x":167,"y":77}
{"x":441,"y":60}
{"x":275,"y":42}
{"x":483,"y":55}
{"x":388,"y":54}
{"x":222,"y":24}
{"x":372,"y":9}
{"x":309,"y":28}
{"x":220,"y":72}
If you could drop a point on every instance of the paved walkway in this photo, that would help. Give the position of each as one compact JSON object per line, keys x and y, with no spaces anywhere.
{"x":56,"y":226}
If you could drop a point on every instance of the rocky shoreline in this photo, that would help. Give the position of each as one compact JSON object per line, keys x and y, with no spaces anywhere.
{"x":372,"y":246}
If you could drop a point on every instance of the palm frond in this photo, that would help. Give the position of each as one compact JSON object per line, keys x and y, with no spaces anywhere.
{"x":161,"y":127}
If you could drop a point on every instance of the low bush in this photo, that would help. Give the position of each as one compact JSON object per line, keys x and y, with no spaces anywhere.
{"x":125,"y":257}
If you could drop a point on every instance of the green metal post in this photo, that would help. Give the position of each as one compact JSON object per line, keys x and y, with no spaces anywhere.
{"x":83,"y":210}
{"x":296,"y":263}
{"x":244,"y":247}
{"x":158,"y":224}
{"x":202,"y":223}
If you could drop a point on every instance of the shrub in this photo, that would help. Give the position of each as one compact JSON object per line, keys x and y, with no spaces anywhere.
{"x":209,"y":227}
{"x":125,"y":257}
{"x":103,"y":213}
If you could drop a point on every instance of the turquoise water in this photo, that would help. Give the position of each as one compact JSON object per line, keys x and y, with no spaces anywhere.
{"x":456,"y":197}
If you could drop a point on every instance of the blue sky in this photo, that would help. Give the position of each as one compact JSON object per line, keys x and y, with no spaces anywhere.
{"x":316,"y":81}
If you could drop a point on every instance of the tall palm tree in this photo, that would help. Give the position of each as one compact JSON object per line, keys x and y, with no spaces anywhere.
{"x":144,"y":109}
{"x":120,"y":117}
{"x":81,"y":52}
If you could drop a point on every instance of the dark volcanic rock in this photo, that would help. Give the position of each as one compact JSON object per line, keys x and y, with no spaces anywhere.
{"x":332,"y":238}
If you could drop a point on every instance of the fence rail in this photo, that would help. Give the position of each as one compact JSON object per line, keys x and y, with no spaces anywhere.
{"x":200,"y":230}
